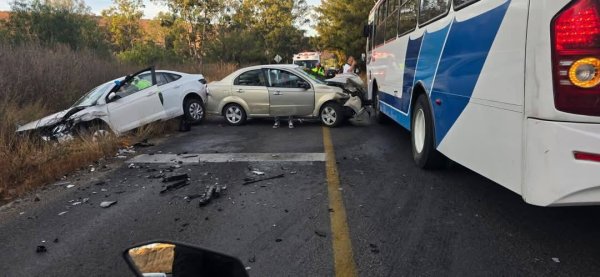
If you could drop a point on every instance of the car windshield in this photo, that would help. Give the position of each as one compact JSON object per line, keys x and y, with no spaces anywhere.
{"x":306,"y":75}
{"x":91,"y":97}
{"x":307,"y":63}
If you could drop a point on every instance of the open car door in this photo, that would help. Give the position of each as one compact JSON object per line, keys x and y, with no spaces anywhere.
{"x":135,"y":102}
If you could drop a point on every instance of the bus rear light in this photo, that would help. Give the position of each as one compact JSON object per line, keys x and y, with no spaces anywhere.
{"x":576,"y":58}
{"x":583,"y":156}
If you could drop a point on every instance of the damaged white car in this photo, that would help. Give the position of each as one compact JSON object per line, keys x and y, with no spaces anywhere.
{"x":127,"y":103}
{"x":285,"y":90}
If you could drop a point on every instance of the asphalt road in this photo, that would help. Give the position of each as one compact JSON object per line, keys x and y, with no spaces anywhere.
{"x":402,"y":221}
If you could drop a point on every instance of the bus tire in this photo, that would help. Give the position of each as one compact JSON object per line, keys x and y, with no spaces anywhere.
{"x":423,"y":136}
{"x":380,"y":117}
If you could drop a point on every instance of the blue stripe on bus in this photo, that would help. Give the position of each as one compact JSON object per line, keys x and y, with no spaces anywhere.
{"x":431,"y":49}
{"x":410,"y":63}
{"x":390,"y":105}
{"x":467,"y":47}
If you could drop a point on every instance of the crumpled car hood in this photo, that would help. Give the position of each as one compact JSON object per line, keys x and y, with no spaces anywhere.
{"x":44,"y":122}
{"x":349,"y":82}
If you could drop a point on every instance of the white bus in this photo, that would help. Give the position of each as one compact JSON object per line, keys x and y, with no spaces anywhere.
{"x":507,"y":88}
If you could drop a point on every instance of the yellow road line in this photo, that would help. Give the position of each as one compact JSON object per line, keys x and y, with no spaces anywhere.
{"x":342,"y":246}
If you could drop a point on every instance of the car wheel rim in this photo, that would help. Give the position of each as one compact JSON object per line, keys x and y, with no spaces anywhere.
{"x":419,"y":131}
{"x":234,"y":114}
{"x":196,"y":111}
{"x":328,"y":116}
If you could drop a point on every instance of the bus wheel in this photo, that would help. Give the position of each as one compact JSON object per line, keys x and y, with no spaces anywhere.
{"x":379,"y":116}
{"x":422,"y":137}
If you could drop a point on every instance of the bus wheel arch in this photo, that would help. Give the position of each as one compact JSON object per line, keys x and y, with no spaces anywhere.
{"x":422,"y":132}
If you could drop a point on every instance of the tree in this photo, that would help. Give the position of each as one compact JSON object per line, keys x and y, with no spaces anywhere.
{"x":276,"y":23}
{"x":123,"y":23}
{"x":341,"y":24}
{"x":53,"y":22}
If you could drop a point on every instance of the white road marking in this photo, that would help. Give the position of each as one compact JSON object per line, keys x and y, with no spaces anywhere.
{"x":228,"y":157}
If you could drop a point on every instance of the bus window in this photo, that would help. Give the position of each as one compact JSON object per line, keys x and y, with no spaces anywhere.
{"x":391,"y":23}
{"x":408,"y":17}
{"x":432,"y":9}
{"x":380,"y":29}
{"x":459,"y":4}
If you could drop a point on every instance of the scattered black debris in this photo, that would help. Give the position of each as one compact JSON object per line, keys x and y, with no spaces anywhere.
{"x":189,"y":156}
{"x":143,"y":143}
{"x":36,"y":198}
{"x":374,"y":248}
{"x":206,"y":218}
{"x":55,"y":240}
{"x":106,"y":204}
{"x":219,"y":209}
{"x":252,"y":259}
{"x":176,"y":219}
{"x":177,"y":177}
{"x":252,"y":181}
{"x":331,"y":210}
{"x":175,"y":186}
{"x":321,"y":234}
{"x":278,"y":240}
{"x":185,"y":225}
{"x":157,"y":176}
{"x":101,"y":183}
{"x":41,"y":249}
{"x":213,"y":191}
{"x":286,"y":211}
{"x":151,"y":170}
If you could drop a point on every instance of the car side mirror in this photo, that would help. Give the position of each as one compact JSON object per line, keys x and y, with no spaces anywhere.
{"x":177,"y":259}
{"x":113,"y":97}
{"x":304,"y":85}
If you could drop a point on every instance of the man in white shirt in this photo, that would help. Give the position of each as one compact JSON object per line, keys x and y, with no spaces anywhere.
{"x":350,"y":65}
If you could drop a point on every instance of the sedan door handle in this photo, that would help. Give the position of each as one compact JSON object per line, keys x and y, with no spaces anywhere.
{"x":178,"y":86}
{"x":240,"y":90}
{"x":277,"y":92}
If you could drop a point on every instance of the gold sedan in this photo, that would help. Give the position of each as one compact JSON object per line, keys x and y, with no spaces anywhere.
{"x":276,"y":90}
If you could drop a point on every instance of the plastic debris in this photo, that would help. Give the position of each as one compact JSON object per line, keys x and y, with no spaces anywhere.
{"x":213,"y":191}
{"x":252,"y":181}
{"x":556,"y":260}
{"x":321,"y":233}
{"x":70,"y":186}
{"x":41,"y":249}
{"x":106,"y":204}
{"x":62,"y":213}
{"x":259,"y":173}
{"x":177,"y":177}
{"x":175,"y":186}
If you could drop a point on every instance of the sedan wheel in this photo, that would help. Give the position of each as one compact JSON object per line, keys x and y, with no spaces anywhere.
{"x":235,"y":114}
{"x":194,"y":110}
{"x":331,"y":114}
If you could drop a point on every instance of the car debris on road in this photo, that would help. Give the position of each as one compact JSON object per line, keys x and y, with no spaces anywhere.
{"x":106,"y":204}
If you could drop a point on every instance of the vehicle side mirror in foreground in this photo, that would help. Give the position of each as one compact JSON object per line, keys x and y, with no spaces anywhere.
{"x":113,"y":97}
{"x":304,"y":85}
{"x":177,"y":259}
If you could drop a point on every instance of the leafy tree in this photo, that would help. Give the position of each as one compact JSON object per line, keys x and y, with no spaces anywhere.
{"x":123,"y":23}
{"x":341,"y":24}
{"x":148,"y":53}
{"x":53,"y":22}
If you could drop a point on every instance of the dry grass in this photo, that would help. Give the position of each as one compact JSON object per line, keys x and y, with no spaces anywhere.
{"x":35,"y":82}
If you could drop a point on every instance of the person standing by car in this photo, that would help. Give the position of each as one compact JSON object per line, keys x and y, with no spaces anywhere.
{"x":350,"y":65}
{"x":318,"y":71}
{"x":278,"y":122}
